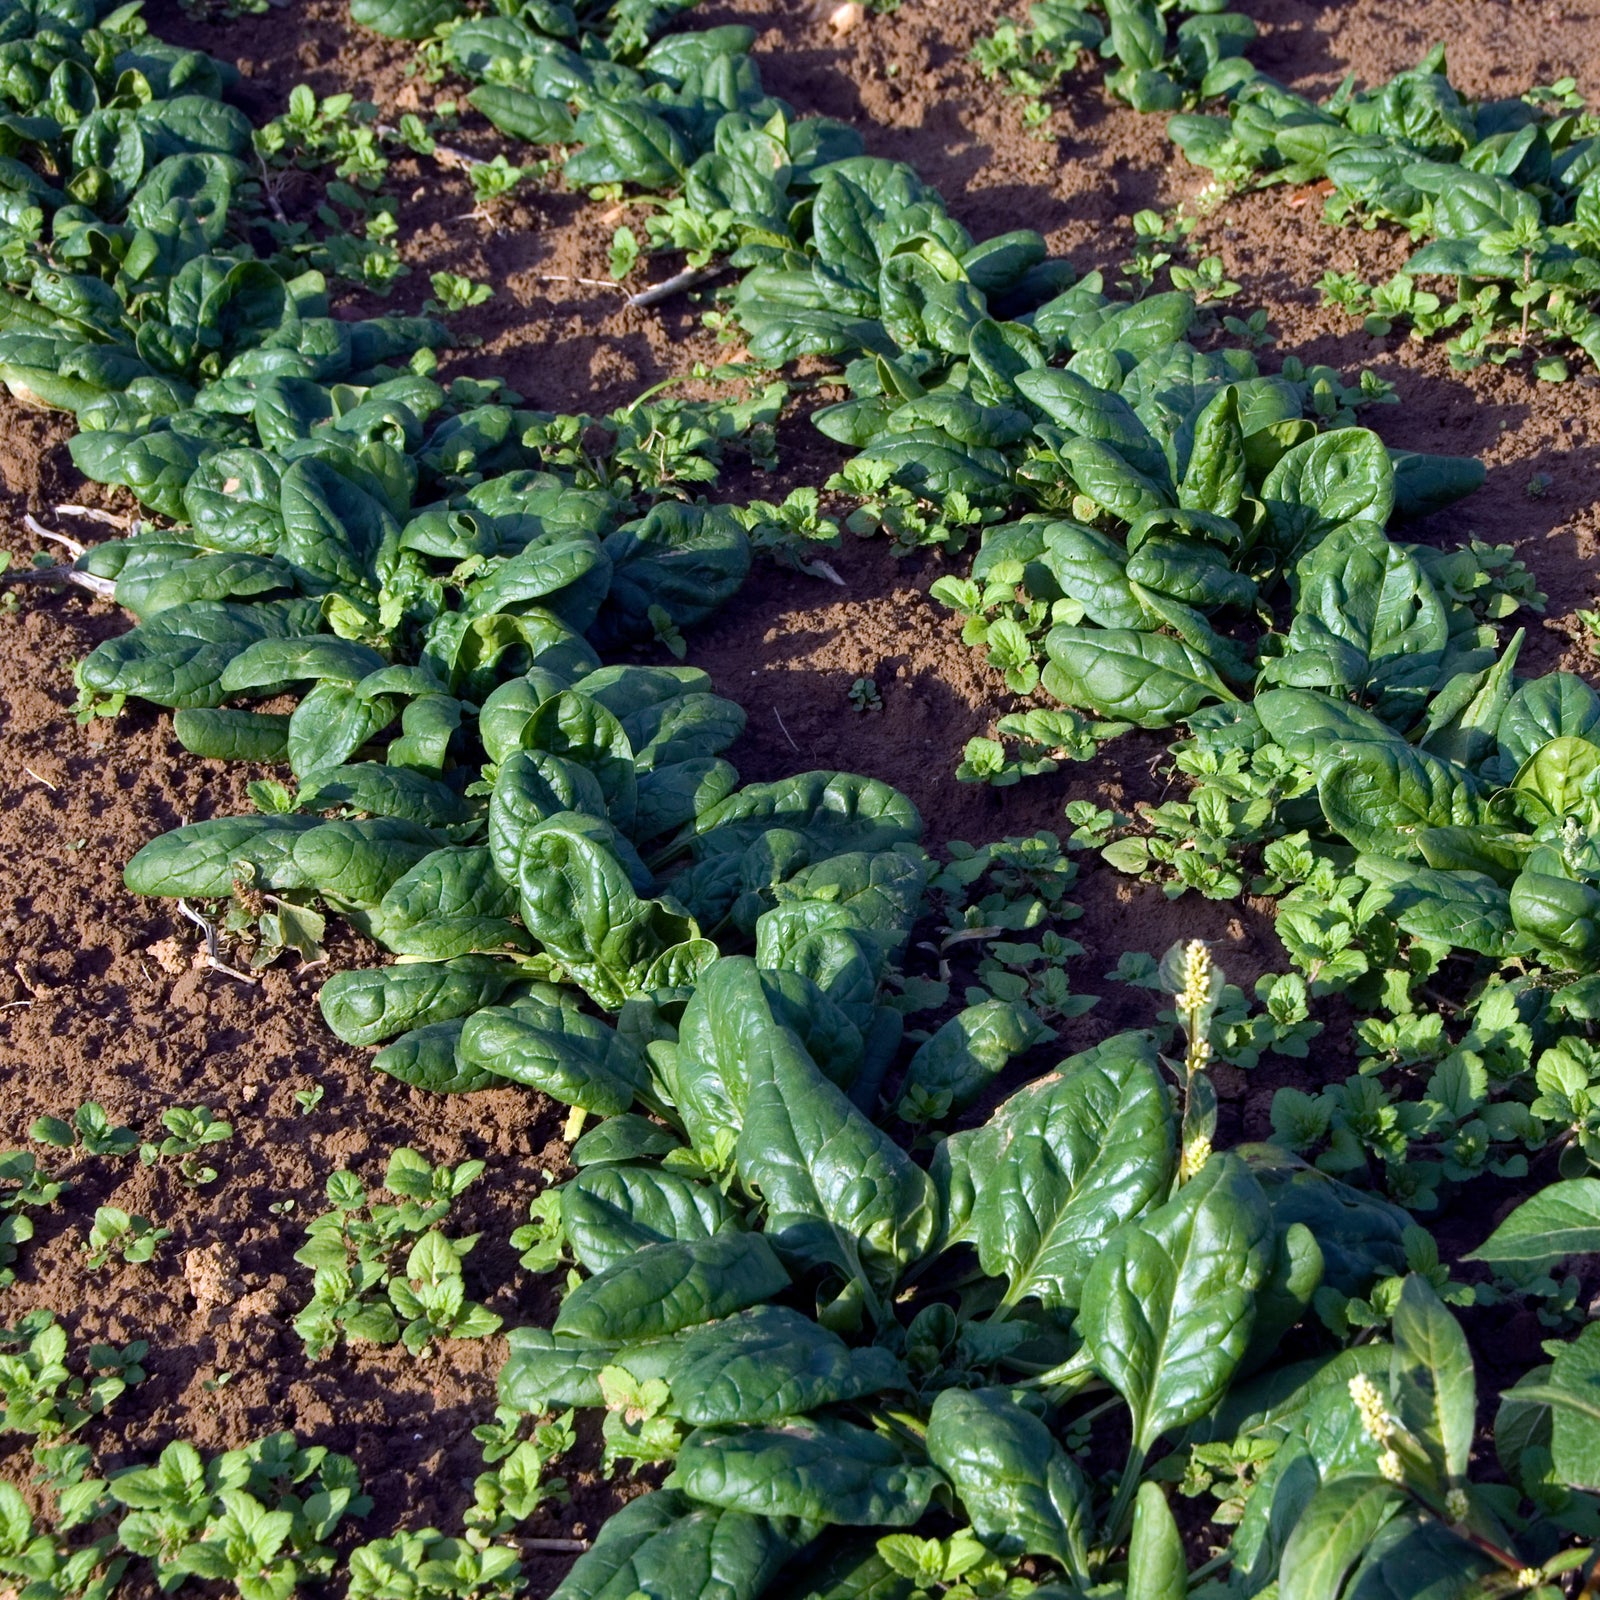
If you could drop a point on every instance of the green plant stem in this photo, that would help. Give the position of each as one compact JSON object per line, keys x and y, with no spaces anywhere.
{"x":1072,"y":1374}
{"x":1121,"y":1513}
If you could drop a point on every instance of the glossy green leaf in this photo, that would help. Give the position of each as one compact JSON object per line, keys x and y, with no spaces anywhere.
{"x":662,"y":1288}
{"x":425,"y":1058}
{"x":629,"y":1137}
{"x":179,"y":657}
{"x":611,"y":1210}
{"x":1572,"y":1392}
{"x":1157,"y":1569}
{"x":769,"y":1363}
{"x":1169,"y":1302}
{"x":1215,"y":477}
{"x":202,"y":860}
{"x":1562,"y":1219}
{"x":551,"y":1046}
{"x":1379,"y":795}
{"x":274,"y":662}
{"x":331,"y":724}
{"x":1024,"y":1494}
{"x":1557,"y":705}
{"x":232,"y":735}
{"x":1148,"y":679}
{"x":578,"y":902}
{"x":383,"y":791}
{"x":969,"y":1051}
{"x":1333,"y":1535}
{"x":1433,"y":1384}
{"x":838,"y":1189}
{"x":664,"y":1546}
{"x":365,"y":1005}
{"x":1337,"y":477}
{"x":1060,"y":1165}
{"x":824,"y":1471}
{"x":358,"y":861}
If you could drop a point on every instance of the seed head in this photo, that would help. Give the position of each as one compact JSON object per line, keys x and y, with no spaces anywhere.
{"x":1196,"y":977}
{"x":1195,"y":1155}
{"x":1391,"y":1467}
{"x":1376,"y":1422}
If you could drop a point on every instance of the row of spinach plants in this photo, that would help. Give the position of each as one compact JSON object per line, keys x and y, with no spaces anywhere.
{"x":1502,"y":194}
{"x":833,"y":1342}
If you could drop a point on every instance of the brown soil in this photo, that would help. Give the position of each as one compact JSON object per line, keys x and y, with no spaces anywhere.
{"x":90,"y":1010}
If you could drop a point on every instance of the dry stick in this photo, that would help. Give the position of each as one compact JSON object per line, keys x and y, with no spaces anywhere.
{"x":93,"y":514}
{"x":101,"y":588}
{"x":561,"y":1546}
{"x":787,"y":735}
{"x":654,"y":295}
{"x":676,"y":284}
{"x":212,"y":958}
{"x":45,"y":781}
{"x":270,"y":190}
{"x":593,"y":283}
{"x":39,"y":531}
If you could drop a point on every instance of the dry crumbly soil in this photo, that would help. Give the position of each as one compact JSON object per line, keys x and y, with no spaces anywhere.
{"x":101,"y":1003}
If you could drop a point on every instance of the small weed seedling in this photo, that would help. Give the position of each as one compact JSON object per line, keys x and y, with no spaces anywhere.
{"x":119,"y":1233}
{"x":24,"y":1185}
{"x":90,"y":1130}
{"x":260,"y":1518}
{"x":517,"y":1488}
{"x":425,"y":1565}
{"x":40,"y":1396}
{"x":864,"y":695}
{"x":635,"y":1429}
{"x":455,"y":293}
{"x":624,"y":252}
{"x":362,"y":1289}
{"x":188,"y":1133}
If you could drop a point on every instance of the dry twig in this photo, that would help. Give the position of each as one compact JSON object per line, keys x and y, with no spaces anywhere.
{"x":72,"y":546}
{"x":101,"y":588}
{"x":593,"y":283}
{"x":212,"y":958}
{"x":111,"y":519}
{"x":691,"y":278}
{"x":787,"y":735}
